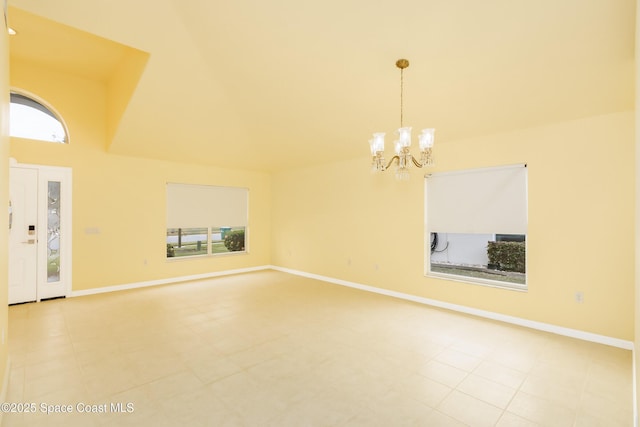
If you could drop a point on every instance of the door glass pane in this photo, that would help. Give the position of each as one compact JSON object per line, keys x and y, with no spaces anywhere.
{"x":53,"y":232}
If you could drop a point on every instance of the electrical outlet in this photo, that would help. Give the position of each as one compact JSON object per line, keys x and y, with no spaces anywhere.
{"x":579,"y":297}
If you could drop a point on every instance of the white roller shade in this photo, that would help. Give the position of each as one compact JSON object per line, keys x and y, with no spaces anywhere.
{"x":190,"y":206}
{"x":489,"y":200}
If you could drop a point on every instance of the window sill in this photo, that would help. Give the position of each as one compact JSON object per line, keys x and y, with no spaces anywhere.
{"x":482,"y":282}
{"x":204,"y":256}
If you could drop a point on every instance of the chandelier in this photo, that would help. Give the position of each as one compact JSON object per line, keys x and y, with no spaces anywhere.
{"x":403,"y":157}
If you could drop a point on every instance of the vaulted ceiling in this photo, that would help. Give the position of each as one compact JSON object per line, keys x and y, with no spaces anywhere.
{"x":270,"y":85}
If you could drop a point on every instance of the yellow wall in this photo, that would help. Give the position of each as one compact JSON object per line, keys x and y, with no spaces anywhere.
{"x":340,"y":221}
{"x":124,"y":197}
{"x":637,"y":223}
{"x":4,"y":196}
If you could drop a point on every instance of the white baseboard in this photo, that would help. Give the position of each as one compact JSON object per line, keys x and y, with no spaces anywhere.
{"x":546,"y":327}
{"x":137,"y":285}
{"x":635,"y":387}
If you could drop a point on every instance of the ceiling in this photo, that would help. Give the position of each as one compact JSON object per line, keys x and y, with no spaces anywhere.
{"x":260,"y":85}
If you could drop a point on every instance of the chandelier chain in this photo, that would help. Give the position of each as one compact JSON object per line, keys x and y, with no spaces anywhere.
{"x":401,"y":95}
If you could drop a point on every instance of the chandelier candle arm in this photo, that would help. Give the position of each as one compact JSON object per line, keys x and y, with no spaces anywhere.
{"x":403,"y":157}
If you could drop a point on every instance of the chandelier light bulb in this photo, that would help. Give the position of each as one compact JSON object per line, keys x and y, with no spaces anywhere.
{"x":404,"y":136}
{"x":426,"y":139}
{"x":377,"y":142}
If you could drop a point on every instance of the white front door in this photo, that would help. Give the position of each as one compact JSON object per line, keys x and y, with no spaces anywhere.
{"x":23,"y":248}
{"x":40,"y":233}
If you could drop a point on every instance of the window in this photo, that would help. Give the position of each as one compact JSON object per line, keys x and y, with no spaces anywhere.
{"x":205,"y":220}
{"x":31,"y":119}
{"x":476,"y":222}
{"x":187,"y":241}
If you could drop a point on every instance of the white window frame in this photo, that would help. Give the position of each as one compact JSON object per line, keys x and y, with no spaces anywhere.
{"x":475,"y":225}
{"x":207,"y":207}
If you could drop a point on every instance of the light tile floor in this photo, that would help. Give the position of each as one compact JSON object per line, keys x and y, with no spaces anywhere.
{"x":271,"y":349}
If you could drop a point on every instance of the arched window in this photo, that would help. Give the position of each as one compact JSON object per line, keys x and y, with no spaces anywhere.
{"x":30,"y":118}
